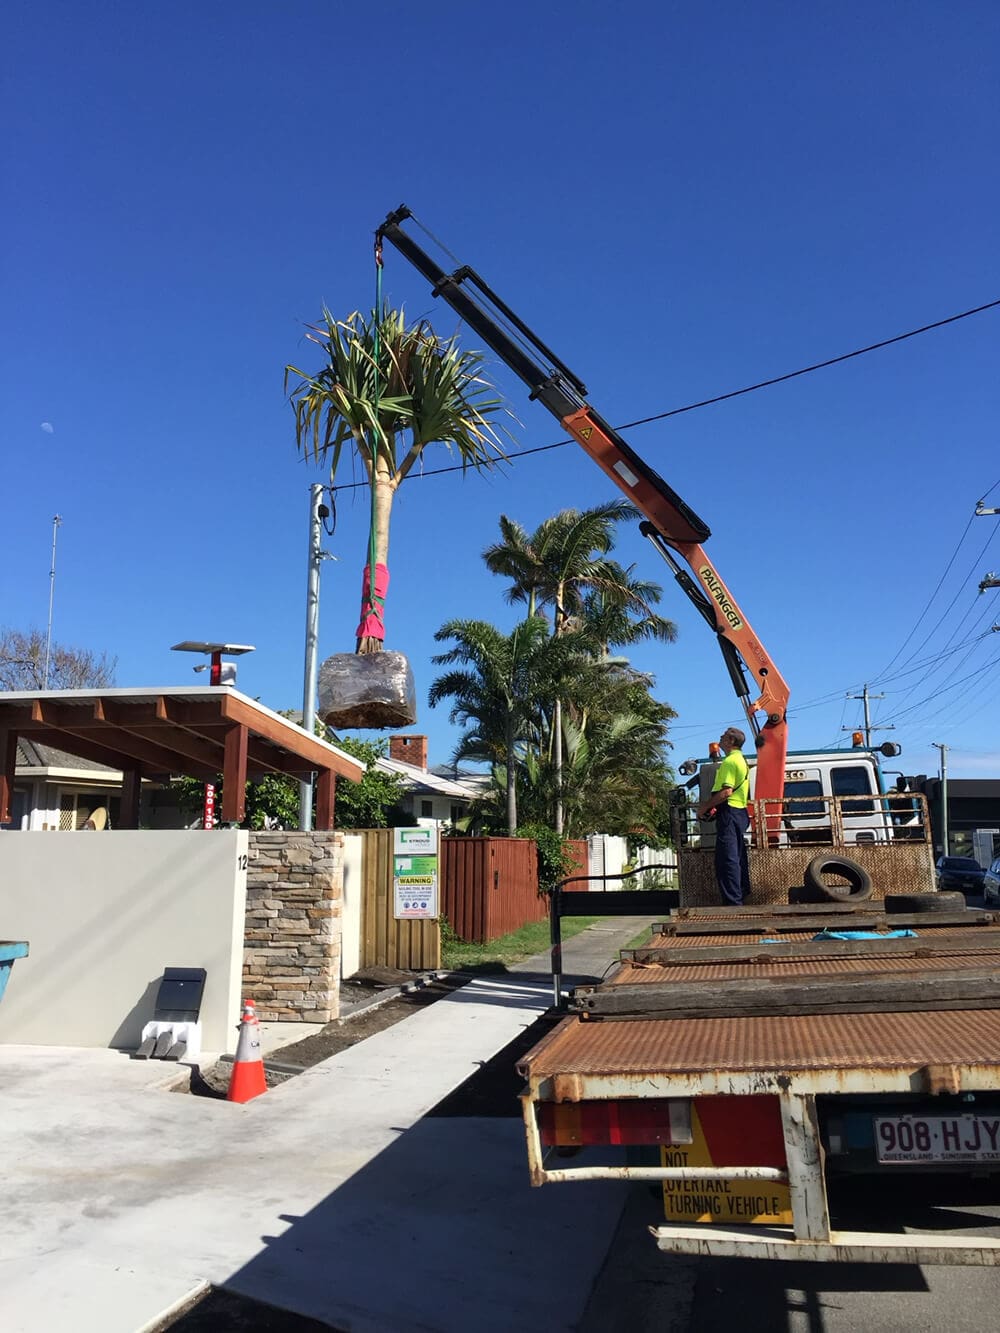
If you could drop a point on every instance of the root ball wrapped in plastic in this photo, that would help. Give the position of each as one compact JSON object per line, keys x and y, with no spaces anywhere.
{"x":362,"y":690}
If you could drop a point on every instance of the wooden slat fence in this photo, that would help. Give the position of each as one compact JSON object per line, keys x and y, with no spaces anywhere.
{"x":386,"y":942}
{"x":577,"y":849}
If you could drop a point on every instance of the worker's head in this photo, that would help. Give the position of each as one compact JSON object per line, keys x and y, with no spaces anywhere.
{"x":732,"y":739}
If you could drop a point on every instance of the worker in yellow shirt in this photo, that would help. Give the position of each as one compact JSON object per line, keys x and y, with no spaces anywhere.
{"x":729,"y":802}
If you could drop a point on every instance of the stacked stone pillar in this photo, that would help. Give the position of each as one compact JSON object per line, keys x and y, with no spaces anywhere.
{"x":291,"y":955}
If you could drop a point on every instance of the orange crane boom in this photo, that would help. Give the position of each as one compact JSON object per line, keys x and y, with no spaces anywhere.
{"x":669,"y":523}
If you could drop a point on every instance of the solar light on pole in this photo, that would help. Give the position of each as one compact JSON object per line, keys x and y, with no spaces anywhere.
{"x":222,"y":673}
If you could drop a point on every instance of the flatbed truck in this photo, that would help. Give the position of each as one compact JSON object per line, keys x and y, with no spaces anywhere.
{"x":757,"y":1053}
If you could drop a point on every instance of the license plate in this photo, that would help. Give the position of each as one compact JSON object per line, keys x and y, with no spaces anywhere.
{"x":938,"y":1138}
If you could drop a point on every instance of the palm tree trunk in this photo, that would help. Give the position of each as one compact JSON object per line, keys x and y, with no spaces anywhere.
{"x":384,"y":494}
{"x":511,"y":782}
{"x":557,"y":745}
{"x":558,"y":761}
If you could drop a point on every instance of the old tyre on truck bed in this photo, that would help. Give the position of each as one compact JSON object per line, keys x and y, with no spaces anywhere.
{"x":925,"y":902}
{"x":857,"y":889}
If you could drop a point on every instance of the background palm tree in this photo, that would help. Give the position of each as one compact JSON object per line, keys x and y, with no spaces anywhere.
{"x":386,"y":391}
{"x":565,"y":565}
{"x":499,"y":684}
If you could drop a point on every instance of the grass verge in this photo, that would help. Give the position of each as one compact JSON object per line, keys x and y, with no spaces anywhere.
{"x":461,"y":956}
{"x":640,"y":940}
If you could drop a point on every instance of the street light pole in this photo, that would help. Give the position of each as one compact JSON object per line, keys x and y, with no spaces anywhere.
{"x":312,"y":642}
{"x":944,"y":796}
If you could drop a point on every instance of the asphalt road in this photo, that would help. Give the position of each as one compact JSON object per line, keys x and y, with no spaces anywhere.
{"x":643,"y":1291}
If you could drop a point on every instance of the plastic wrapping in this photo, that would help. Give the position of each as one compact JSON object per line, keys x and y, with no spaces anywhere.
{"x":367,"y":690}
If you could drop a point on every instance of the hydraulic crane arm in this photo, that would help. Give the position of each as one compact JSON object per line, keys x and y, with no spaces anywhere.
{"x":670,"y":524}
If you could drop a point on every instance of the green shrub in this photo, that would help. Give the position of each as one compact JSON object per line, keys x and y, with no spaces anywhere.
{"x":555,"y":859}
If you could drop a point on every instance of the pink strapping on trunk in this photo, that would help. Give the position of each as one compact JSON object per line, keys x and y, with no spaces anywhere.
{"x":373,"y":609}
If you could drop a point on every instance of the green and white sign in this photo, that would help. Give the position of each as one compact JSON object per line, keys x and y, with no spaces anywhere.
{"x":415,"y":873}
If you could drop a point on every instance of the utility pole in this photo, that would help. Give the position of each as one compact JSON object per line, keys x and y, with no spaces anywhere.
{"x":56,"y":522}
{"x":991,"y":580}
{"x":317,"y":512}
{"x":888,"y":726}
{"x":944,"y":796}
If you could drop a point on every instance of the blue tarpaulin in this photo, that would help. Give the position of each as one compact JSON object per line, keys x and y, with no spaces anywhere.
{"x":866,"y":935}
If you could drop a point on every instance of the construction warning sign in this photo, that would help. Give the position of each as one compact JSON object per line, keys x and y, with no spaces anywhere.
{"x":729,"y":1131}
{"x":415,"y":874}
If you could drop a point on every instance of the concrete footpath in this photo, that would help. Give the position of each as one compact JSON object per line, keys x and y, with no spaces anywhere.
{"x":331,"y":1195}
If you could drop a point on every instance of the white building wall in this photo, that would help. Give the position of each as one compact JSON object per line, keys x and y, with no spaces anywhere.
{"x":607,"y":855}
{"x":350,"y":920}
{"x":659,"y":856}
{"x":104,"y":913}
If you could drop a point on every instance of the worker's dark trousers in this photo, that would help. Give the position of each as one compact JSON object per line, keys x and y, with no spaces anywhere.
{"x":731,"y":868}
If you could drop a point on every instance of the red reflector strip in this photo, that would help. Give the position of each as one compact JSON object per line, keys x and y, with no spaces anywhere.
{"x":742,"y":1131}
{"x":645,"y":1120}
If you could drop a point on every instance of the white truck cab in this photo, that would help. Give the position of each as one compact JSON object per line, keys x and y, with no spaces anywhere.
{"x":842,"y":791}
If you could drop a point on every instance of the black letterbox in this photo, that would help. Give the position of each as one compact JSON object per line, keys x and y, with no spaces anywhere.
{"x":179,"y":996}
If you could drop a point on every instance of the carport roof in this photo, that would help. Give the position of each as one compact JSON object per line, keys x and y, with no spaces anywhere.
{"x":199,"y":732}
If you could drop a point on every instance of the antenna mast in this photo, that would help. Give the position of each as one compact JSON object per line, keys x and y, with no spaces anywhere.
{"x":56,"y":521}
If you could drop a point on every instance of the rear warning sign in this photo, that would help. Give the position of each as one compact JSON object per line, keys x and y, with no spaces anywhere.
{"x":729,"y":1131}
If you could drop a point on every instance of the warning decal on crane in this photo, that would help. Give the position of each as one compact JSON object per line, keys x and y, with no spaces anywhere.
{"x":729,"y":1131}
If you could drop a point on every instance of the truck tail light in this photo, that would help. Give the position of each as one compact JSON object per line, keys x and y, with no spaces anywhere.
{"x":643,"y":1121}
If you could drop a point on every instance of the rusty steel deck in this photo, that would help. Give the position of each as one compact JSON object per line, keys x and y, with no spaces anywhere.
{"x":819,"y":1053}
{"x":812,"y":1052}
{"x":649,"y":973}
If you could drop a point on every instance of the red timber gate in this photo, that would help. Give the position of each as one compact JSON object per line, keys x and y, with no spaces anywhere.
{"x":489,"y":886}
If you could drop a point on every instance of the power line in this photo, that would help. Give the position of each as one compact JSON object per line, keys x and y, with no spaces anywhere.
{"x":961,"y":587}
{"x":721,"y":397}
{"x":929,"y":603}
{"x":946,"y":689}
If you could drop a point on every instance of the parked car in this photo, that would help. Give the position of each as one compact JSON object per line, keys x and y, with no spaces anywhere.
{"x":960,"y":872}
{"x":991,"y":883}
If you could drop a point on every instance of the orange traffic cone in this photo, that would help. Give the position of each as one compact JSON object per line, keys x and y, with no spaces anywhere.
{"x":247,"y":1079}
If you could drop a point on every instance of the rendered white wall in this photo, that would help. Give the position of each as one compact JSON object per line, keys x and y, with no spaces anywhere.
{"x":350,"y":918}
{"x":104,"y":913}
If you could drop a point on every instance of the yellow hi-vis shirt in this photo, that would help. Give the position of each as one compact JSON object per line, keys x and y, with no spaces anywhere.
{"x":733,"y":772}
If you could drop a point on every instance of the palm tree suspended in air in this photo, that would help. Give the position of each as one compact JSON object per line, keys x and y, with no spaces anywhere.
{"x":386,"y":391}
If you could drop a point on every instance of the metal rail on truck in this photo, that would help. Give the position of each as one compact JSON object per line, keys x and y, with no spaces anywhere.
{"x":616,"y":902}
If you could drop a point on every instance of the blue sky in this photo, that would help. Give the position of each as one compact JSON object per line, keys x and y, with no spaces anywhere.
{"x":681,"y":199}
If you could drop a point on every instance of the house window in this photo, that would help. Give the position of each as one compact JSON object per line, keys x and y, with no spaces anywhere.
{"x":426,"y":809}
{"x":456,"y":814}
{"x":75,"y":808}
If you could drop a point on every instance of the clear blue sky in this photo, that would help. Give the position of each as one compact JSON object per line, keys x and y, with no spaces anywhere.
{"x":682,"y":199}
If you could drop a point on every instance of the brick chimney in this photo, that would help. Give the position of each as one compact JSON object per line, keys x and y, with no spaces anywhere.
{"x":409,"y":750}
